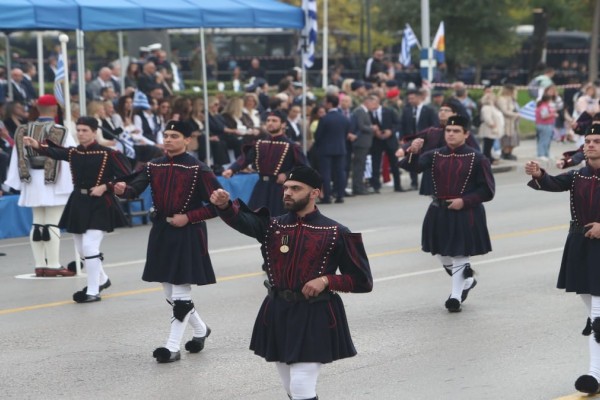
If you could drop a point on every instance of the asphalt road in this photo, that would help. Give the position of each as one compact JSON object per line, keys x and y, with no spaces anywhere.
{"x":517,"y":338}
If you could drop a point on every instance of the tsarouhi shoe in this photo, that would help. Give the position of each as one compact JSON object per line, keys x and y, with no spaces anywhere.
{"x":54,"y":272}
{"x":453,"y":305}
{"x":587,"y":384}
{"x":83,"y":297}
{"x":164,"y":355}
{"x":465,"y":292}
{"x":197,"y":343}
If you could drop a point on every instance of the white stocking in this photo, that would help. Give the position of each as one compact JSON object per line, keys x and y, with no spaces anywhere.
{"x":593,"y":345}
{"x":52,"y":247}
{"x":458,"y":277}
{"x":303,"y":380}
{"x":178,"y":292}
{"x":88,"y":245}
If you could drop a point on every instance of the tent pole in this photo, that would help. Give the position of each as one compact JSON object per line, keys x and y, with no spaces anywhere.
{"x":8,"y":67}
{"x":325,"y":44}
{"x":64,"y":39}
{"x":80,"y":71}
{"x":304,"y":124}
{"x":205,"y":94}
{"x":40,"y":66}
{"x":121,"y":63}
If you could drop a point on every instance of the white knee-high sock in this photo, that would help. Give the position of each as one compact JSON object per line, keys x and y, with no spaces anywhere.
{"x":284,"y":373}
{"x":37,"y":248}
{"x":197,"y":324}
{"x":90,"y":247}
{"x":593,"y":345}
{"x":303,"y":380}
{"x":446,"y":262}
{"x":52,"y":247}
{"x":179,"y":292}
{"x":458,"y":277}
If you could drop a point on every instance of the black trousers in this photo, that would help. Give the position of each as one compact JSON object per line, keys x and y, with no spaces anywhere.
{"x":377,"y":149}
{"x":333,"y":167}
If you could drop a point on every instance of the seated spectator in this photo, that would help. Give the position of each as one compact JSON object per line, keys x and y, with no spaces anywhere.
{"x":232,"y":116}
{"x":218,"y":148}
{"x":217,"y":127}
{"x":95,"y":109}
{"x":132,"y":75}
{"x":15,"y":115}
{"x":147,"y":79}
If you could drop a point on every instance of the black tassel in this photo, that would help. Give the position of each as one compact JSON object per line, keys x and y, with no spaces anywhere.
{"x":448,"y":269}
{"x":467,"y":271}
{"x":587,"y":331}
{"x":45,"y":233}
{"x":596,"y":329}
{"x":37,"y":235}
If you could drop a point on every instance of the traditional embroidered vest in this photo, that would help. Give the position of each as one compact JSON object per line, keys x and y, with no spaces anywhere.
{"x":27,"y":158}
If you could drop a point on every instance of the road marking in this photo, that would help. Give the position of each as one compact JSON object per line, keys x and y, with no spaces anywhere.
{"x":489,"y":261}
{"x":577,"y":396}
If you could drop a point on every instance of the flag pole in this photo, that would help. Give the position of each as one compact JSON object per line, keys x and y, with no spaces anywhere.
{"x":304,"y":45}
{"x":64,"y":39}
{"x":325,"y":44}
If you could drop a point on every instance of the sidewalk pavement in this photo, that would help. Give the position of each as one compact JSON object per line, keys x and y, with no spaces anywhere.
{"x":526,"y":151}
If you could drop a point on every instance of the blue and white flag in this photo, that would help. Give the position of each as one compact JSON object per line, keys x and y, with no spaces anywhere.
{"x":59,"y":79}
{"x":309,"y":33}
{"x":527,"y":112}
{"x":409,"y":39}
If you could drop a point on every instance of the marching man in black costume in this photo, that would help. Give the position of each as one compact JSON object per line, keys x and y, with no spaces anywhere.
{"x":273,"y":158}
{"x":177,"y":253}
{"x":455,"y":225}
{"x":579,"y":270}
{"x":92,"y":208}
{"x":301,"y":323}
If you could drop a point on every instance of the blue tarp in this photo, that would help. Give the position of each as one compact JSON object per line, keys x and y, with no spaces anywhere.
{"x":103,"y":15}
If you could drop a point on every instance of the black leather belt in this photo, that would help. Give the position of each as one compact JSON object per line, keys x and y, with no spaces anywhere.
{"x":440,"y":203}
{"x":267,"y":178}
{"x":574,"y":228}
{"x":84,"y":191}
{"x":293,"y":297}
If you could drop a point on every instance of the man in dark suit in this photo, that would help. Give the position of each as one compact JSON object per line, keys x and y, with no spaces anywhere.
{"x":361,"y":138}
{"x":29,"y":73}
{"x":330,"y":145}
{"x":385,"y":125}
{"x":19,"y":93}
{"x":416,"y":117}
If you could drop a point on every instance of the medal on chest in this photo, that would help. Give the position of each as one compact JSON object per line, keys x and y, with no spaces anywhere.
{"x":284,"y":248}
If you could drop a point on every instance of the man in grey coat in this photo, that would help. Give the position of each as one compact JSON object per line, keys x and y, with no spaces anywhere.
{"x":361,"y":137}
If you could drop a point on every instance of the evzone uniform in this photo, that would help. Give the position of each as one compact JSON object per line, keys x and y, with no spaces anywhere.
{"x":89,"y":217}
{"x":45,"y":185}
{"x":177,"y":257}
{"x":456,"y":235}
{"x":299,"y":334}
{"x":579,"y":269}
{"x":270,"y":157}
{"x":433,"y":138}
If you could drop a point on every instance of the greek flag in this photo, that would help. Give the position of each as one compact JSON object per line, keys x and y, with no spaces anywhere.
{"x":59,"y":79}
{"x":409,"y":39}
{"x":527,"y":112}
{"x":309,"y":33}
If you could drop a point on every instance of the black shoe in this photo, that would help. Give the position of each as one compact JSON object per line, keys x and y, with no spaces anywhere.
{"x":82,"y":297}
{"x":164,"y":355}
{"x":453,"y":305}
{"x":399,"y":190}
{"x":465,"y":292}
{"x":197,"y":343}
{"x":587,"y":384}
{"x":105,"y":285}
{"x":324,"y":201}
{"x":339,"y":200}
{"x":414,"y":186}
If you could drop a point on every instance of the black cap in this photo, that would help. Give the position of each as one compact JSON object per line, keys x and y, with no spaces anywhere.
{"x":279,"y":114}
{"x":88,"y":121}
{"x":307,"y":175}
{"x":458,"y":120}
{"x":593,"y":130}
{"x":179,"y":126}
{"x":391,"y":83}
